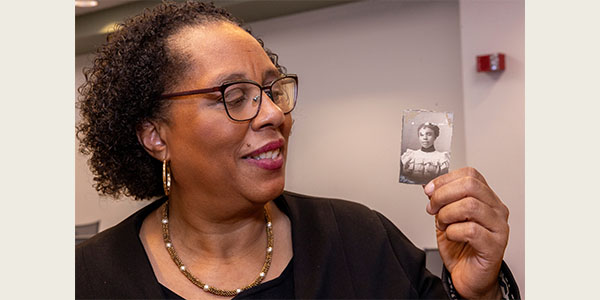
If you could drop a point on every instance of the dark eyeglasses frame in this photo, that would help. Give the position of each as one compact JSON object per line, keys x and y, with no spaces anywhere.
{"x":223,"y":87}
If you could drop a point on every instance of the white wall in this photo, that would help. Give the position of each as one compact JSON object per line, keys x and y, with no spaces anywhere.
{"x":360,"y":65}
{"x":494,"y":110}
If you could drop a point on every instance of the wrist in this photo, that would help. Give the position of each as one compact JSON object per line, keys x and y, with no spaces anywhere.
{"x":494,"y":293}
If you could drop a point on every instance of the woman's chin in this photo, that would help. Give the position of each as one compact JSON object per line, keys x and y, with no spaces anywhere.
{"x":271,"y":192}
{"x":266,"y":192}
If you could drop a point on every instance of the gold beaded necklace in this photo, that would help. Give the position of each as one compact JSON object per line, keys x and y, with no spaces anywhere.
{"x":202,"y":285}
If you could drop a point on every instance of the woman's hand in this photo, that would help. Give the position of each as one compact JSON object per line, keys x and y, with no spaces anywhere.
{"x":472,"y":231}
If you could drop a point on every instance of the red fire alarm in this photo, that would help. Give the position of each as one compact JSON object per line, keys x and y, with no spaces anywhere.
{"x":490,"y":62}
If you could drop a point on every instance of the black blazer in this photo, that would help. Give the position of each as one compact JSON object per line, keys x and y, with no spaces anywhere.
{"x":341,"y":250}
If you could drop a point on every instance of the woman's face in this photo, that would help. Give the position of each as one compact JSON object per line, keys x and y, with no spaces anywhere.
{"x":212,"y":155}
{"x":426,"y":137}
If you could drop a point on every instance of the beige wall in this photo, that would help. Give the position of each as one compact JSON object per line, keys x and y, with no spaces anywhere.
{"x":494,"y":109}
{"x":359,"y":66}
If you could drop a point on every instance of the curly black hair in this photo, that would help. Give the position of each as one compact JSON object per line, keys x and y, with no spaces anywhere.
{"x":435,"y":128}
{"x":122,"y":88}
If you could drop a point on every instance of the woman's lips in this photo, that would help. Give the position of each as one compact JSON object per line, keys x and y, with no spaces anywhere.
{"x":267,"y":147}
{"x":267,"y":163}
{"x":269,"y":156}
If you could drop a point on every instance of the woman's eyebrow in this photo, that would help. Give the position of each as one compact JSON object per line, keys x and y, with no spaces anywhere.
{"x":271,"y":74}
{"x":229,"y":77}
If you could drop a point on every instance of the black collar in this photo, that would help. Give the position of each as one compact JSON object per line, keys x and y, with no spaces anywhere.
{"x":430,"y":149}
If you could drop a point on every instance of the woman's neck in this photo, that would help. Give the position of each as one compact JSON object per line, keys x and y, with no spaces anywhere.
{"x":224,"y":252}
{"x":215,"y":232}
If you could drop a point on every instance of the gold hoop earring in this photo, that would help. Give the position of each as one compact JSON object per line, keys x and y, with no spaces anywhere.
{"x":166,"y":174}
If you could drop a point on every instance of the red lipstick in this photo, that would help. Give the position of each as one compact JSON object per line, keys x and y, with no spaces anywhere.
{"x":273,"y":159}
{"x":268,"y":147}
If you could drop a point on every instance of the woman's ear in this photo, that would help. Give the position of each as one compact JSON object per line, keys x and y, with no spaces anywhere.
{"x":152,"y":138}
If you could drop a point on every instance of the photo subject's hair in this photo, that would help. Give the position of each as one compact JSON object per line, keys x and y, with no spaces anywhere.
{"x":435,"y":128}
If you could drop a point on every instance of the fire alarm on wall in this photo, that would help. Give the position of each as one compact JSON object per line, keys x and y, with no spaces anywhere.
{"x":490,"y":62}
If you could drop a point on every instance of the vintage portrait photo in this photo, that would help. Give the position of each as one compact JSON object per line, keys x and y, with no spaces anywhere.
{"x":426,"y":140}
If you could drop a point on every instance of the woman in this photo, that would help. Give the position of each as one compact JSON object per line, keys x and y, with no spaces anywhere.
{"x":425,"y":164}
{"x":184,"y":105}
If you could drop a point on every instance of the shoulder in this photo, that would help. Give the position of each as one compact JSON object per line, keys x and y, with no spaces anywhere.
{"x":355,"y":223}
{"x":106,"y":264}
{"x":409,"y":152}
{"x":97,"y":260}
{"x":115,"y":238}
{"x":442,"y":155}
{"x":323,"y":209}
{"x":307,"y":201}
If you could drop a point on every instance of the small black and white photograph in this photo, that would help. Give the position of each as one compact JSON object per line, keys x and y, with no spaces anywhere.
{"x":426,"y":140}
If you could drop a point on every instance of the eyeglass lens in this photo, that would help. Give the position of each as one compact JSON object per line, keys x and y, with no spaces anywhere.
{"x":242,"y":100}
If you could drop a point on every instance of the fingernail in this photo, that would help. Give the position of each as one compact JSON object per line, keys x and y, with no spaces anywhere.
{"x":429,"y":188}
{"x":428,"y":208}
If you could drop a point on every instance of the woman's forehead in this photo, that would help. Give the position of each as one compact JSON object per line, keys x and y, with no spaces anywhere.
{"x":220,"y":50}
{"x":214,"y":40}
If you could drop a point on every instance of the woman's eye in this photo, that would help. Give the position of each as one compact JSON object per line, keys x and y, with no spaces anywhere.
{"x":235,"y":97}
{"x":277,"y":95}
{"x":235,"y":101}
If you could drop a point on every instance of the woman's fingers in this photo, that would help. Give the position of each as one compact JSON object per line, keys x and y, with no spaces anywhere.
{"x":470,"y":209}
{"x":456,"y":174}
{"x":484,"y":242}
{"x":460,"y":184}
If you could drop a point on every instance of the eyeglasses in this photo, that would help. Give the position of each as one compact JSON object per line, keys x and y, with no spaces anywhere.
{"x":242,"y":99}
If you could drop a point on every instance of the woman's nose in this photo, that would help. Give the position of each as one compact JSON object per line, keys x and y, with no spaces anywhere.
{"x":269,"y":113}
